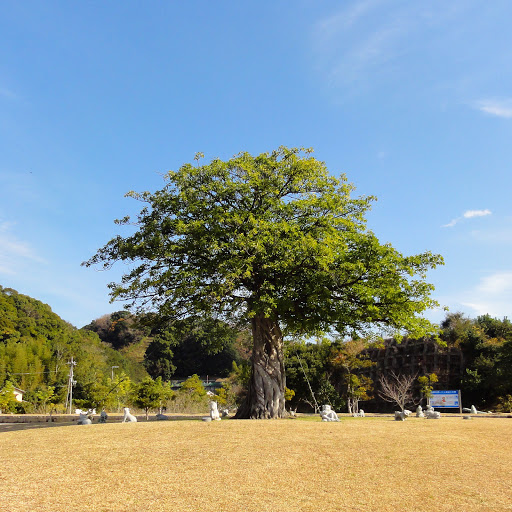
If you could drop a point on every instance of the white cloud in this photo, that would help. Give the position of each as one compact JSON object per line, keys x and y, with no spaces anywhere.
{"x":476,"y":213}
{"x":468,"y":214}
{"x":492,"y":295}
{"x":367,"y":41}
{"x":355,"y":41}
{"x":14,"y":252}
{"x":498,"y":108}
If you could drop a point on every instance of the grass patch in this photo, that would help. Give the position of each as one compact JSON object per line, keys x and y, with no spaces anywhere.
{"x":259,"y":466}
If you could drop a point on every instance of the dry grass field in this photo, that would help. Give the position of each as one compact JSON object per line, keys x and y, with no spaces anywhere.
{"x":363,"y":464}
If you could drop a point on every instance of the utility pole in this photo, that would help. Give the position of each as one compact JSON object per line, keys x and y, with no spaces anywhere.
{"x":71,"y":383}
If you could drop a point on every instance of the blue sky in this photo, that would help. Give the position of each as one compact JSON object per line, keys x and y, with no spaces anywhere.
{"x":411,"y":100}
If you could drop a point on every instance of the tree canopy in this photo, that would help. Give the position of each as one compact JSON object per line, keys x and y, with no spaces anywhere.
{"x":277,"y":241}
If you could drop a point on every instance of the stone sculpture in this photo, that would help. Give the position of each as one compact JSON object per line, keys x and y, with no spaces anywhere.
{"x":430,"y":414}
{"x":359,"y":414}
{"x":83,"y":419}
{"x":402,"y":415}
{"x":162,"y":417}
{"x":419,"y":412}
{"x":327,"y":414}
{"x":128,"y":418}
{"x":473,"y":410}
{"x":214,"y":411}
{"x":103,"y":417}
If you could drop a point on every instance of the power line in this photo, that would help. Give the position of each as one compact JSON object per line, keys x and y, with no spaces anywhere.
{"x":33,"y":373}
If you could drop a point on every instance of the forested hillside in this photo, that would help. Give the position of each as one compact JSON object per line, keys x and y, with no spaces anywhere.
{"x":36,"y":346}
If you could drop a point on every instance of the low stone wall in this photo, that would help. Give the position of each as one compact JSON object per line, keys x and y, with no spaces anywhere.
{"x":37,"y":418}
{"x":70,"y":418}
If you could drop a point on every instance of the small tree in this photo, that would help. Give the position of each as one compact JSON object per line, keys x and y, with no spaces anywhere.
{"x":426,"y":383}
{"x":350,"y":360}
{"x":151,"y":394}
{"x":192,"y":396}
{"x":397,"y":389}
{"x":45,"y":395}
{"x":8,"y":400}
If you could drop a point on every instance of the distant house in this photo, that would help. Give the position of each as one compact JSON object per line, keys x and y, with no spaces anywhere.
{"x":18,"y":394}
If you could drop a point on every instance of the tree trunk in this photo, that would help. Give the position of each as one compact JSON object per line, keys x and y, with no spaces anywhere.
{"x":265,"y":397}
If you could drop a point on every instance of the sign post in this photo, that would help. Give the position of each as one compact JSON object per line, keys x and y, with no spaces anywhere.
{"x":446,"y":399}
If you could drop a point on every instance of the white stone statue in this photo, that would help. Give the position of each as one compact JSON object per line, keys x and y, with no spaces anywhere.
{"x":419,"y":412}
{"x":430,"y":414}
{"x":162,"y":417}
{"x":103,"y":417}
{"x":129,"y":418}
{"x":473,"y":410}
{"x":83,"y":419}
{"x":327,"y":414}
{"x":225,"y":413}
{"x":359,"y":414}
{"x":402,"y":415}
{"x":214,"y":411}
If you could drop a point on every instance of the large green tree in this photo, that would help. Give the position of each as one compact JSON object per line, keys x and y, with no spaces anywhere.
{"x":273,"y":239}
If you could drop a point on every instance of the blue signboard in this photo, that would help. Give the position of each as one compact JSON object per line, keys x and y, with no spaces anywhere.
{"x":445,"y":399}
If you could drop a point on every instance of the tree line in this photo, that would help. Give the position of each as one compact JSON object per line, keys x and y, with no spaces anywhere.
{"x":127,"y":359}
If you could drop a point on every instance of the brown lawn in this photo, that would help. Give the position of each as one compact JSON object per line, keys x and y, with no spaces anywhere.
{"x":363,"y":464}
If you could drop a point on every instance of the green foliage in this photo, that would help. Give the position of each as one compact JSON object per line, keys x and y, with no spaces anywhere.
{"x":204,"y":346}
{"x":8,"y":400}
{"x":234,"y":388}
{"x":151,"y":394}
{"x":191,"y":397}
{"x":426,"y":383}
{"x":44,"y":397}
{"x":348,"y":359}
{"x":274,"y":239}
{"x":36,"y":345}
{"x":288,"y":394}
{"x":119,"y":329}
{"x":505,"y":403}
{"x":269,"y":234}
{"x":327,"y":394}
{"x":486,"y":344}
{"x":308,"y":373}
{"x":159,"y":355}
{"x":193,"y":387}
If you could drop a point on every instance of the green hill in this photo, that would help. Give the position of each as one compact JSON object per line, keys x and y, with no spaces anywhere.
{"x":36,"y":346}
